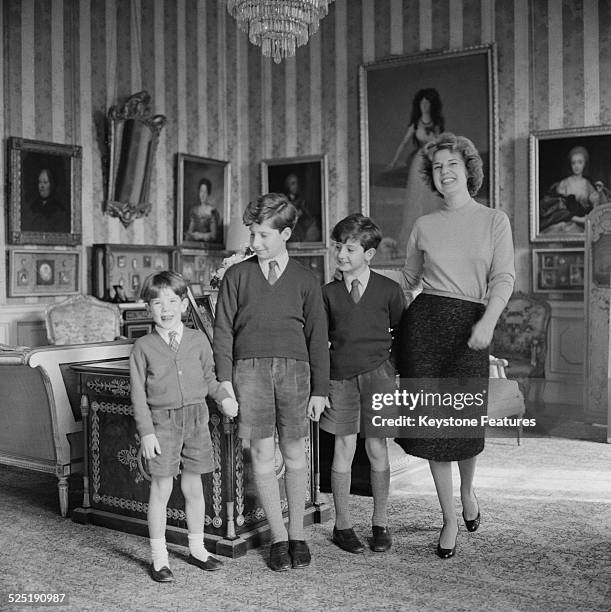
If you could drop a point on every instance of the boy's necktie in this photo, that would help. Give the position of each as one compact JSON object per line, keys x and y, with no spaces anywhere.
{"x":355,"y":294}
{"x":173,"y":341}
{"x":272,"y":276}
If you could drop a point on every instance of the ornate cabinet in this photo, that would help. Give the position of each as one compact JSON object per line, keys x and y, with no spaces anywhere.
{"x":116,"y":485}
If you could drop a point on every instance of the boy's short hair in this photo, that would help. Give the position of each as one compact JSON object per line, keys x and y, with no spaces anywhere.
{"x":272,"y":207}
{"x":154,"y":283}
{"x":358,"y":227}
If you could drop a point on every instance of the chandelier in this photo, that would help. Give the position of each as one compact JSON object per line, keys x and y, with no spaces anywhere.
{"x":278,"y":26}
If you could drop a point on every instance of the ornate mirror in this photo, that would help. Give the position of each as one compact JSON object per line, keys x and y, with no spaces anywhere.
{"x":134,"y":134}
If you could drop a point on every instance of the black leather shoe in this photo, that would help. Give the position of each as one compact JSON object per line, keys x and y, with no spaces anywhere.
{"x":381,"y":540}
{"x":279,"y":559}
{"x":163,"y":575}
{"x":346,"y":539}
{"x":209,"y":565}
{"x":474,"y":524}
{"x":446,"y":553}
{"x":300,"y":553}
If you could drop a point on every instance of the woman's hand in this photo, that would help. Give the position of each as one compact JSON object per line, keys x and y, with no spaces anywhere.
{"x":481,"y":335}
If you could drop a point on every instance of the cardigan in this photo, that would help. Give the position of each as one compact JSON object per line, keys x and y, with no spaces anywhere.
{"x":162,"y":379}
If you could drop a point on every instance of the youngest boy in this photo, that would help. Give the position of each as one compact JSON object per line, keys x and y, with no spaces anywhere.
{"x":362,"y":308}
{"x":172,"y":372}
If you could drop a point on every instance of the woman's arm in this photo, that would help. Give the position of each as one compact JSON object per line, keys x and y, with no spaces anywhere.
{"x":501,"y":279}
{"x":408,"y":135}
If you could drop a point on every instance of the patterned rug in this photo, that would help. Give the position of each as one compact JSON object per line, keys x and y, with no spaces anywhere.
{"x":544,"y":544}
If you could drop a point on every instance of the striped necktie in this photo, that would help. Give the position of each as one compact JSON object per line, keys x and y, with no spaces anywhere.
{"x":173,"y":340}
{"x":355,"y":294}
{"x":272,"y":276}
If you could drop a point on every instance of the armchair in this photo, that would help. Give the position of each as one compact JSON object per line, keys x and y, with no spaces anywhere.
{"x":520,"y":337}
{"x":82,"y":319}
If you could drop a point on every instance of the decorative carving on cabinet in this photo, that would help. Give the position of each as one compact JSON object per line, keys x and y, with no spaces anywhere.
{"x":133,"y":139}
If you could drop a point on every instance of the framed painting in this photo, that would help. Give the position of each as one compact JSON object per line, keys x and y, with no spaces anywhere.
{"x":404,"y":103}
{"x":197,"y":267}
{"x":41,"y":273}
{"x":315,"y":261}
{"x":203,"y":202}
{"x":558,"y":270}
{"x":304,"y":181}
{"x":570,"y":174}
{"x":44,"y":192}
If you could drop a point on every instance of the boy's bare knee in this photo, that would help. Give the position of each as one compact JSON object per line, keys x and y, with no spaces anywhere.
{"x":293,"y":452}
{"x":191,"y":485}
{"x":377,"y":452}
{"x":161,"y":488}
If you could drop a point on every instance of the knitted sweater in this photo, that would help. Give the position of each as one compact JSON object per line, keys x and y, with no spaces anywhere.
{"x":465,"y":253}
{"x":162,"y":379}
{"x":360,"y":333}
{"x":255,"y":319}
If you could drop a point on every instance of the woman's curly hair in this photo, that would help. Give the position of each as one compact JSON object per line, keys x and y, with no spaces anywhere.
{"x":456,"y":144}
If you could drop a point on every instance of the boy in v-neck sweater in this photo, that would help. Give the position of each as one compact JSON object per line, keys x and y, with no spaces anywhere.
{"x":270,"y":346}
{"x":363,"y":308}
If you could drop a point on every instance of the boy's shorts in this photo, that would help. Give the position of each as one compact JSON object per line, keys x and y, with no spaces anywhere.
{"x":273,"y":392}
{"x":183,"y":436}
{"x":350,"y":399}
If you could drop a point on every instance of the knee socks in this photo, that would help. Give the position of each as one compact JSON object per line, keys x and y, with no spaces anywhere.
{"x":380,"y":485}
{"x":269,"y":496}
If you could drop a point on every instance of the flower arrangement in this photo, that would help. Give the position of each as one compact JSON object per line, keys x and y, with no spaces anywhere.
{"x":240,"y":255}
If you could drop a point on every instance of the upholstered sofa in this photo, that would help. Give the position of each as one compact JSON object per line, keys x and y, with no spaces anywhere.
{"x":40,"y":422}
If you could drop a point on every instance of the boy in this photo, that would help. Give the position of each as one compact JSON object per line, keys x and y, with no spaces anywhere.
{"x":362,"y":308}
{"x":172,"y":372}
{"x":270,"y":341}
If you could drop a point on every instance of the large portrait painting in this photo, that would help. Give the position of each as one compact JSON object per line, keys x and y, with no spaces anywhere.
{"x":202,"y":215}
{"x":44,"y":192}
{"x":570,"y":174}
{"x":405,"y":102}
{"x":303,"y":180}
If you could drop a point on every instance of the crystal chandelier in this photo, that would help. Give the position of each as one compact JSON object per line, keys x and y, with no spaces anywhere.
{"x":278,"y":26}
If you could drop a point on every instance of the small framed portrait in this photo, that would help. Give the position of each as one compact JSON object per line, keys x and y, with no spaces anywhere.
{"x":558,"y":270}
{"x":44,"y":193}
{"x":42,"y":272}
{"x":570,"y":174}
{"x":203,"y":202}
{"x":304,"y":182}
{"x":146,"y":261}
{"x":198,"y":269}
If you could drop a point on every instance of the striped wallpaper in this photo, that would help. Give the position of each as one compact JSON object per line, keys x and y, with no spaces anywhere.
{"x":65,"y":62}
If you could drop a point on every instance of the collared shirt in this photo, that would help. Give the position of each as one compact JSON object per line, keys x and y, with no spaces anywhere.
{"x":282,"y":260}
{"x":363,"y":279}
{"x":165,"y":333}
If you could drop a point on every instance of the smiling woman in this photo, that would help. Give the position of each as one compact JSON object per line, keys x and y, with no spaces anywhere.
{"x":462,"y":257}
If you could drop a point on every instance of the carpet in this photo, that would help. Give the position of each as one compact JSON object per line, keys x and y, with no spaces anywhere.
{"x":544,"y":543}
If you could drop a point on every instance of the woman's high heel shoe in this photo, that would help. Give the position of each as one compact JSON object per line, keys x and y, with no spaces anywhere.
{"x":446,"y":553}
{"x":474,"y":524}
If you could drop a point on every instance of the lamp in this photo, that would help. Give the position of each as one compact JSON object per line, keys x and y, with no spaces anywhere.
{"x":278,"y":26}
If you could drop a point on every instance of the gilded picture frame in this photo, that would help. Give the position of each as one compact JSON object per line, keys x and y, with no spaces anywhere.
{"x":304,"y":181}
{"x":202,"y":219}
{"x":44,"y":193}
{"x":43,"y":272}
{"x":570,"y":174}
{"x":462,"y":86}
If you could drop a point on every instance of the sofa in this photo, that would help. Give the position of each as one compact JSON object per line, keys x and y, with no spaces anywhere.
{"x":40,"y":421}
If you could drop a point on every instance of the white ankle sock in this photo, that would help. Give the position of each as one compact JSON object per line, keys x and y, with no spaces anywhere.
{"x":159,"y":553}
{"x":196,"y":546}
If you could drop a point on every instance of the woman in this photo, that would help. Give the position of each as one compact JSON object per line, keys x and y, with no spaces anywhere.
{"x":462,"y":256}
{"x":205,"y":221}
{"x":565,"y":207}
{"x":425,"y":124}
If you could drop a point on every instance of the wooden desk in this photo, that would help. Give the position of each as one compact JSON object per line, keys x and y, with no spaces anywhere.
{"x":116,"y":487}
